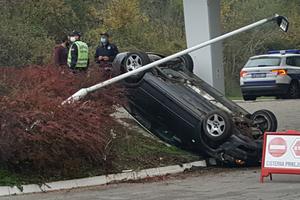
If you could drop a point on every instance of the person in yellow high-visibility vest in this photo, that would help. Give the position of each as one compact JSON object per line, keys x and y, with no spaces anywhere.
{"x":78,"y":56}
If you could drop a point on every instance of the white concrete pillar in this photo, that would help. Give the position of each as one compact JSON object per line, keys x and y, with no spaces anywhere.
{"x":202,"y":22}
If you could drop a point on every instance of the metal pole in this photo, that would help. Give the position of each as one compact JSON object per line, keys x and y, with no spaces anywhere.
{"x":84,"y":91}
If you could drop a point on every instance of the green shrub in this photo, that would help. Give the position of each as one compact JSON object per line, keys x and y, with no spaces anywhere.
{"x":23,"y":44}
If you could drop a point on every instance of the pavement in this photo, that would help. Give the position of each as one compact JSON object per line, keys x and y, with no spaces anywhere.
{"x":286,"y":111}
{"x":212,"y":184}
{"x":229,"y":184}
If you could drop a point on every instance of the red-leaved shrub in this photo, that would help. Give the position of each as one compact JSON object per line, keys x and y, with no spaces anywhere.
{"x":39,"y":134}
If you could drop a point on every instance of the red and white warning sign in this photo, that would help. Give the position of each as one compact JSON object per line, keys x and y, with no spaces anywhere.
{"x":277,"y":147}
{"x":281,"y":153}
{"x":296,"y":148}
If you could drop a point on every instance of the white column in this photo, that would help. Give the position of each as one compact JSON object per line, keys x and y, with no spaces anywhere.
{"x":202,"y":22}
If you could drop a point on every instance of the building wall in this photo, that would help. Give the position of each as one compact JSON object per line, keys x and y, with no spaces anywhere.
{"x":202,"y":22}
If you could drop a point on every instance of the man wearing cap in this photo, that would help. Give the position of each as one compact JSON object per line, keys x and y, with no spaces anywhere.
{"x":78,"y":57}
{"x":106,"y":51}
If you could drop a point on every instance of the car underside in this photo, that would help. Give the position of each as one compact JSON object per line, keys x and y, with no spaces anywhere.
{"x":183,"y":110}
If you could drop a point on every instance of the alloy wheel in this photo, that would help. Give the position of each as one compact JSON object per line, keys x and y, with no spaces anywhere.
{"x":133,"y":62}
{"x":215,"y":125}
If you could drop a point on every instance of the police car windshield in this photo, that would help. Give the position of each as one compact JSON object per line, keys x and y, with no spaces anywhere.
{"x":263,"y":62}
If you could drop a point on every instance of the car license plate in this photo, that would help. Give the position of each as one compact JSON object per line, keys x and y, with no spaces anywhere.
{"x":258,"y":75}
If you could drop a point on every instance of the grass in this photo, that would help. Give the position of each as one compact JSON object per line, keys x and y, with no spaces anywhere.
{"x":233,"y":91}
{"x":146,"y":152}
{"x":9,"y":179}
{"x":131,"y":149}
{"x":235,"y":97}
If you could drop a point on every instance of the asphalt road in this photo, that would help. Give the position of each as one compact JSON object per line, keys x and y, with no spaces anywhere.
{"x":229,"y":184}
{"x":214,"y":184}
{"x":286,"y":111}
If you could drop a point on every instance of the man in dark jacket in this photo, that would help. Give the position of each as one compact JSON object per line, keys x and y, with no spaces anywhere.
{"x":61,"y":52}
{"x":106,"y":51}
{"x":78,"y":57}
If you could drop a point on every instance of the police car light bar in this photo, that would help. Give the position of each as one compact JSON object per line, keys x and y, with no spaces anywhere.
{"x":288,"y":51}
{"x":282,"y":22}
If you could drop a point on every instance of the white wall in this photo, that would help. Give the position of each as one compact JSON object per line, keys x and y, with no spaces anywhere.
{"x":202,"y":22}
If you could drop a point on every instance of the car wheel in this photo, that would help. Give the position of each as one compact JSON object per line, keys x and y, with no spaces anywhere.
{"x":293,"y":91}
{"x":264,"y":120}
{"x":188,"y":62}
{"x":132,"y":61}
{"x":217,"y":125}
{"x":249,"y":98}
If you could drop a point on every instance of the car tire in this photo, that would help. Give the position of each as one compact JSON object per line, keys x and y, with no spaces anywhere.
{"x":249,"y":98}
{"x":188,"y":62}
{"x":264,"y":120}
{"x":293,"y":91}
{"x":132,"y":61}
{"x":217,"y":125}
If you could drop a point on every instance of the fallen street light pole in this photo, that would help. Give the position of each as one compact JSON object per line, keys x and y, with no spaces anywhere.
{"x":282,"y":22}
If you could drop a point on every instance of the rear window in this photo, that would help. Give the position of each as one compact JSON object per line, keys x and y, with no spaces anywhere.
{"x":263,"y":62}
{"x":293,"y":61}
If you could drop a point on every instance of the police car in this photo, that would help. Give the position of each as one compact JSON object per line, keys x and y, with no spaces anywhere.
{"x":276,"y":73}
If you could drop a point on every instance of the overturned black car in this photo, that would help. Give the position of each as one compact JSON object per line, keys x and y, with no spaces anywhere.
{"x":183,"y":110}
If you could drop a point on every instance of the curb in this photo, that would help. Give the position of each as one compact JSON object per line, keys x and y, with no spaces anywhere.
{"x":99,"y":180}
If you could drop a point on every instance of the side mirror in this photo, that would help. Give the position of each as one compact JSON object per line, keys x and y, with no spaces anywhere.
{"x":283,"y":23}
